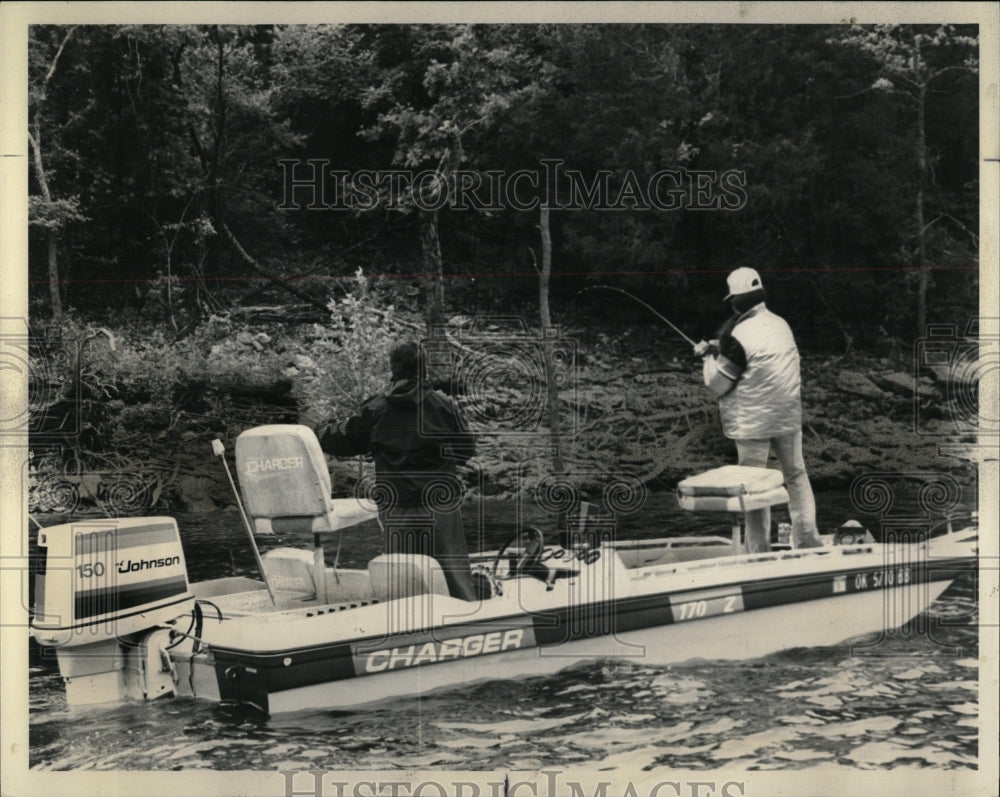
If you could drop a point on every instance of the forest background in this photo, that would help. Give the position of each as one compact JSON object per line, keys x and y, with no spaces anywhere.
{"x":192,"y":276}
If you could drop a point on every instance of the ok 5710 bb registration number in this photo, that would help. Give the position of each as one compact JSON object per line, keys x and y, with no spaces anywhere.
{"x":874,"y":579}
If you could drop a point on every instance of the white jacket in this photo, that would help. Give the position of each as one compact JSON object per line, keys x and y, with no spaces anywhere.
{"x":766,"y":398}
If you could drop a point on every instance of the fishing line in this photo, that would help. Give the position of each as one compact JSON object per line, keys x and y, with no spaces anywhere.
{"x":636,"y":299}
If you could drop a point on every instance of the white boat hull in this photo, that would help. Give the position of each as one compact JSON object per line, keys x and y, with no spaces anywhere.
{"x":736,"y":637}
{"x":225,"y":640}
{"x":725,"y":609}
{"x":112,"y":597}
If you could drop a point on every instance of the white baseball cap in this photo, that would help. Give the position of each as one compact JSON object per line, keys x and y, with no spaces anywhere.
{"x":743,"y":280}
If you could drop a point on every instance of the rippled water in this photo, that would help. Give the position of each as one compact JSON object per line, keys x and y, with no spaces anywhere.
{"x":909,"y":699}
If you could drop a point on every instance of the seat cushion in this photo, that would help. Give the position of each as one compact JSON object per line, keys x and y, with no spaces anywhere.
{"x":733,"y":503}
{"x":290,"y":570}
{"x":397,"y":575}
{"x":286,"y":483}
{"x":731,"y":480}
{"x":282,"y":471}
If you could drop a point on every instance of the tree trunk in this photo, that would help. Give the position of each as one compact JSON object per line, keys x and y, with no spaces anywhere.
{"x":51,"y":234}
{"x":924,"y":273}
{"x":433,"y":269}
{"x":548,"y":343}
{"x":52,"y":253}
{"x":35,"y":142}
{"x":215,"y":198}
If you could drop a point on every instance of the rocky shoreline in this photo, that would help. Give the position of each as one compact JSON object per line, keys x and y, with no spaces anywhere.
{"x":633,"y":411}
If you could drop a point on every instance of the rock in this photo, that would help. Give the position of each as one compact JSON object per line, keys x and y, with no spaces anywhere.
{"x":904,"y":384}
{"x":860,"y":385}
{"x":199,"y":504}
{"x":198,"y":493}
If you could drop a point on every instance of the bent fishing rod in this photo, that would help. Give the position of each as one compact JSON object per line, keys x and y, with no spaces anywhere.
{"x":648,"y":307}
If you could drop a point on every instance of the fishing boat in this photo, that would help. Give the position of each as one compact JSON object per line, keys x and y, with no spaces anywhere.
{"x":114,"y":601}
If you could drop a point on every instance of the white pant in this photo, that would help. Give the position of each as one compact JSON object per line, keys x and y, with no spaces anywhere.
{"x":801,"y":503}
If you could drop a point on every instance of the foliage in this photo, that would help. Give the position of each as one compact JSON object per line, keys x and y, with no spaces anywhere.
{"x":435,"y":85}
{"x":54,"y":214}
{"x":157,"y":181}
{"x":154,"y":137}
{"x":636,"y":410}
{"x":143,"y":399}
{"x":346,"y":361}
{"x":910,"y":61}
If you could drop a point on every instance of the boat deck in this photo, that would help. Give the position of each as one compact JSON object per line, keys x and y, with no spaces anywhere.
{"x":640,"y":560}
{"x":256,"y":601}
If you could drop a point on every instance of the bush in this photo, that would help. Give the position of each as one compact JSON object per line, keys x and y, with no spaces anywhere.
{"x":346,"y":362}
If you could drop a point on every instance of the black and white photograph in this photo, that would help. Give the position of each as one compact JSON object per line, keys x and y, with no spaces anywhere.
{"x":499,"y":400}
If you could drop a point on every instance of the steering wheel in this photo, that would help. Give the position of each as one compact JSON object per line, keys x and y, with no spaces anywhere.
{"x":529,"y":557}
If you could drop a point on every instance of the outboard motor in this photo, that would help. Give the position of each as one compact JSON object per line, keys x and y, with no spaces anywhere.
{"x":103,"y":591}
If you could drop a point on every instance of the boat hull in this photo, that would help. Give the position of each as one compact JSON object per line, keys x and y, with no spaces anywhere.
{"x":681,"y":614}
{"x":720,"y":638}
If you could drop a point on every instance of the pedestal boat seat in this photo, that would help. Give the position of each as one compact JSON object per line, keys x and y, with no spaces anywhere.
{"x":286,"y":489}
{"x":735,"y":490}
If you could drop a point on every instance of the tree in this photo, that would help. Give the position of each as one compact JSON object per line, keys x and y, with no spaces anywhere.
{"x":205,"y":97}
{"x":545,"y":314}
{"x":433,"y":87}
{"x":167,"y":137}
{"x":232,"y":124}
{"x":910,"y":60}
{"x":52,"y":215}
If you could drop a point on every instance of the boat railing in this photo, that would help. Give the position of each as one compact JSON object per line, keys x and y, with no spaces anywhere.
{"x":757,"y":558}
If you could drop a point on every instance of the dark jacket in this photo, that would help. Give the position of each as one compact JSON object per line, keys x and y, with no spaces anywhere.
{"x":415,"y":435}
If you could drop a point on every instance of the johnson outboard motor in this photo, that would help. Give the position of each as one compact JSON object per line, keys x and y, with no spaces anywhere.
{"x":104,"y":590}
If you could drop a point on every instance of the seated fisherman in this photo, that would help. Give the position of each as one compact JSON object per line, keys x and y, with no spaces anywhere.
{"x":416,"y":438}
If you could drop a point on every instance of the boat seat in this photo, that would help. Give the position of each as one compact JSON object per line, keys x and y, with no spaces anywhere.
{"x":398,"y":575}
{"x":733,"y":489}
{"x":286,"y":483}
{"x":290,"y":571}
{"x":286,"y":489}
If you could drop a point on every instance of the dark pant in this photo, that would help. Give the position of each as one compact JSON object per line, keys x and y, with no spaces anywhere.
{"x":417,"y":530}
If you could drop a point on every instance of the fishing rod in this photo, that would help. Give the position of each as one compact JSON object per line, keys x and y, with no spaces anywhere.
{"x":640,"y":301}
{"x":220,"y":451}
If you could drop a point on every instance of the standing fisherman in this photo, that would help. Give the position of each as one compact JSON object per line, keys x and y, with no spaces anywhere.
{"x":754,"y":370}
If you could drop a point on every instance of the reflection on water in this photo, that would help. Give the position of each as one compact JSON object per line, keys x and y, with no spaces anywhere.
{"x":911,"y":701}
